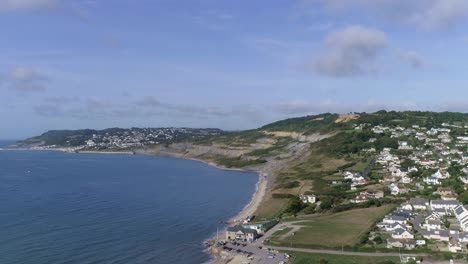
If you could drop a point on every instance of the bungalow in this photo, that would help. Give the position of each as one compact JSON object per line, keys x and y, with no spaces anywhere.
{"x":401,"y":243}
{"x":308,"y":198}
{"x":441,"y":174}
{"x":432,"y":224}
{"x":407,"y":206}
{"x":443,"y":204}
{"x":394,"y":219}
{"x":377,"y":194}
{"x":419,"y":203}
{"x":402,"y":233}
{"x":394,"y":226}
{"x":241,"y":234}
{"x":432,"y":181}
{"x":443,"y":235}
{"x":405,"y":179}
{"x":446,"y":193}
{"x":360,"y":198}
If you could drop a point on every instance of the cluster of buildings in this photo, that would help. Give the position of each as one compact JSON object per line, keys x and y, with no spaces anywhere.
{"x":248,"y":232}
{"x":441,"y":224}
{"x":133,"y":137}
{"x":420,"y":160}
{"x":427,"y":153}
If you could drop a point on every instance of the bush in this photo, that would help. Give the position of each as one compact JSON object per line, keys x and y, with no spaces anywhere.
{"x":326,"y":203}
{"x":295,"y":205}
{"x":309,"y":209}
{"x":289,"y":185}
{"x":282,"y":196}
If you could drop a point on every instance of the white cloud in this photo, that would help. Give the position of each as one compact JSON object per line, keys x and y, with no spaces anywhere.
{"x":9,"y":5}
{"x":414,"y":59}
{"x":440,"y":14}
{"x":352,"y":51}
{"x":22,"y":79}
{"x":430,"y":15}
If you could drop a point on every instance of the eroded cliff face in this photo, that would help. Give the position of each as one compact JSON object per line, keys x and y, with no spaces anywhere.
{"x":277,"y":155}
{"x":263,"y":148}
{"x":192,"y":151}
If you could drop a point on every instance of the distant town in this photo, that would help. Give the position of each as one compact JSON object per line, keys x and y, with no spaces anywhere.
{"x":115,"y":139}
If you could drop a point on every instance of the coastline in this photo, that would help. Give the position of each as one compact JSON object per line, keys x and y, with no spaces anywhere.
{"x":248,"y":210}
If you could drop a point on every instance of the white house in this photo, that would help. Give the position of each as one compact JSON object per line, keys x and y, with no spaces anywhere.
{"x":394,"y":190}
{"x":308,"y":198}
{"x":402,"y":233}
{"x":432,"y":181}
{"x":419,"y":203}
{"x":444,"y":204}
{"x":461,"y":213}
{"x":441,"y":174}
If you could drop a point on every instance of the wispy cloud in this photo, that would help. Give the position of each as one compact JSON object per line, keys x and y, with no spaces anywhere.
{"x":428,"y":15}
{"x":412,"y":58}
{"x":14,"y":5}
{"x":145,"y":106}
{"x":24,"y":80}
{"x":351,"y":51}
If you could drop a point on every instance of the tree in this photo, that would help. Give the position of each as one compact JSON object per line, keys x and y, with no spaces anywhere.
{"x":464,"y":197}
{"x":295,"y":205}
{"x":326,"y":203}
{"x":309,"y":209}
{"x":378,"y":240}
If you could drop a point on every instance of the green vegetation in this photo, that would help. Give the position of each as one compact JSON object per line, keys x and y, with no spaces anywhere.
{"x":238,"y":162}
{"x":409,"y":118}
{"x":233,"y":139}
{"x":334,"y":230}
{"x":282,"y":232}
{"x":294,"y":206}
{"x":306,"y":258}
{"x":309,"y":124}
{"x":279,"y":146}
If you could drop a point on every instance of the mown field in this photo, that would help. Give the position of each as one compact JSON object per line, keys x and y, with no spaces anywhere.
{"x":334,"y":230}
{"x":307,"y":258}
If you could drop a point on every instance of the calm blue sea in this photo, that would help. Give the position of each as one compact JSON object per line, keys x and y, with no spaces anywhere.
{"x":95,"y":208}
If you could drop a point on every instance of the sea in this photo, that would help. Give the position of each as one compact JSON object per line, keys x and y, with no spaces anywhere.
{"x":63,"y":208}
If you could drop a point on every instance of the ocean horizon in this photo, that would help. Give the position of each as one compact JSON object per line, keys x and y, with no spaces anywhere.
{"x":92,"y":208}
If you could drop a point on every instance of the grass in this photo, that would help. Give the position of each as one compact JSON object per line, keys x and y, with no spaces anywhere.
{"x":306,"y":258}
{"x":277,"y":148}
{"x":282,"y":231}
{"x":271,"y":207}
{"x":334,"y":230}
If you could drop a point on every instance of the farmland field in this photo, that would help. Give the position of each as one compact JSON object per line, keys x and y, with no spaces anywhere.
{"x":334,"y":230}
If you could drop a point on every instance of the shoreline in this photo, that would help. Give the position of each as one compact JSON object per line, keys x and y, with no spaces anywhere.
{"x":248,"y":210}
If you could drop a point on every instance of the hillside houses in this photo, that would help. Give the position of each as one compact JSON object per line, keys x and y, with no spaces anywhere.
{"x":403,"y":225}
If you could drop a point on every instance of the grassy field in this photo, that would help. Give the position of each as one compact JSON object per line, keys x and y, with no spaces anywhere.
{"x":306,"y":258}
{"x":334,"y":230}
{"x":271,"y":207}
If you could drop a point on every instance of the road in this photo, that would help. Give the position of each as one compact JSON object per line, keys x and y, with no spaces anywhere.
{"x":261,"y":254}
{"x":347,"y":253}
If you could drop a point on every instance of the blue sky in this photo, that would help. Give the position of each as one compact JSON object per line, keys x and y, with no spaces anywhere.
{"x":68,"y":64}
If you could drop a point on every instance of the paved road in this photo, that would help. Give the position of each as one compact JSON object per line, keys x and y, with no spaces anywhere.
{"x":347,"y":253}
{"x":261,"y":253}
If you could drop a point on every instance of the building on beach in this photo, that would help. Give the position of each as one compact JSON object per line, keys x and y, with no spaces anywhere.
{"x":240,"y":233}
